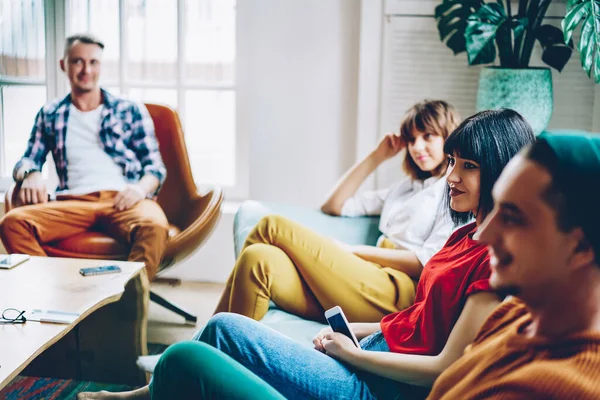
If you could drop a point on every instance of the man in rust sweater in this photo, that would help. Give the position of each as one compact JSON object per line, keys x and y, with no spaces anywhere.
{"x":544,"y":237}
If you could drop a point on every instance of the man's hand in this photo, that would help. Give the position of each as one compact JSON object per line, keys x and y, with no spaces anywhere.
{"x":339,"y":346}
{"x":33,"y":189}
{"x":129,"y":197}
{"x":389,"y":146}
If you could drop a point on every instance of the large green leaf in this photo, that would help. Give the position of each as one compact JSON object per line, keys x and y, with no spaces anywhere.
{"x":482,"y":27}
{"x":577,"y":13}
{"x":555,"y":52}
{"x":586,"y":13}
{"x":452,"y":21}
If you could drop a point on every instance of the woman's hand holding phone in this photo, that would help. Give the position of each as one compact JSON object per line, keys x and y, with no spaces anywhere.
{"x":339,"y":346}
{"x":317,"y":341}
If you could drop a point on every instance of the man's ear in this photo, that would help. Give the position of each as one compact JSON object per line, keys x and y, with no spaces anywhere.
{"x":62,"y":65}
{"x":584,"y":252}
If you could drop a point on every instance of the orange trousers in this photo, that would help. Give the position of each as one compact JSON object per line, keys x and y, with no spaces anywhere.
{"x":144,"y":227}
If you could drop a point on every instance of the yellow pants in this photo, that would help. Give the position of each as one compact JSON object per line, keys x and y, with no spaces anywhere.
{"x":305,"y":273}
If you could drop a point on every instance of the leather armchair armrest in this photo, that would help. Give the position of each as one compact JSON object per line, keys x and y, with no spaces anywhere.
{"x":11,"y":197}
{"x":201,"y":216}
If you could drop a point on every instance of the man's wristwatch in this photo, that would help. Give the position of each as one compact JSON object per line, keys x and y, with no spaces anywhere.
{"x":27,"y":172}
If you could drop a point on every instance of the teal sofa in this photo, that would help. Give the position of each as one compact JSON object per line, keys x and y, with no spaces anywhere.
{"x":360,"y":230}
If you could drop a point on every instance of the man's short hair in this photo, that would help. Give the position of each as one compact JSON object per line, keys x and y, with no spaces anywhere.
{"x":86,"y":38}
{"x":572,"y":207}
{"x":555,"y":193}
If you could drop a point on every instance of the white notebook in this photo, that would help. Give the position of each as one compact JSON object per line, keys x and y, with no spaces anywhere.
{"x":7,"y":261}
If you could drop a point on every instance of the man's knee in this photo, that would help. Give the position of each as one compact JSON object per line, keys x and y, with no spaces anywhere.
{"x":176,"y":373}
{"x":150,"y":213}
{"x":14,"y":219}
{"x":177,"y":356}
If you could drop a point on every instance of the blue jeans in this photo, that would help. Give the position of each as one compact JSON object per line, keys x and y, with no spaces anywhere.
{"x":296,"y":371}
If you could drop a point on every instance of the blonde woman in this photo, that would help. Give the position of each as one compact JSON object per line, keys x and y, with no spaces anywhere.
{"x":305,"y":273}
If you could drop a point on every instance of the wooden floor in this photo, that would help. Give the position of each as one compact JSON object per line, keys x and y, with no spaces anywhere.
{"x":198,"y":298}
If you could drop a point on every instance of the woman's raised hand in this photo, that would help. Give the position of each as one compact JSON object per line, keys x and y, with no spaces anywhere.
{"x":389,"y":146}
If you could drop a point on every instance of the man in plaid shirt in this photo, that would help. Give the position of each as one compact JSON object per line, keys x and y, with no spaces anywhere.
{"x":108,"y":166}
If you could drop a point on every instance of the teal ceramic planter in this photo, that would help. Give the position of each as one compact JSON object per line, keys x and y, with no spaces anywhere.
{"x":527,"y":91}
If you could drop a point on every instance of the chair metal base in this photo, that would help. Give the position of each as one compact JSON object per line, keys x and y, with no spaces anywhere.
{"x":189,"y":318}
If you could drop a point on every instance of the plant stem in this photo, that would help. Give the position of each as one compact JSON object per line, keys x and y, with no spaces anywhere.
{"x":521,"y":13}
{"x":504,"y":40}
{"x":508,"y":39}
{"x":535,"y":14}
{"x":522,"y":8}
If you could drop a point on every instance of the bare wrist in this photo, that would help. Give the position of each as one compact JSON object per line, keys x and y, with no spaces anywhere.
{"x":376,"y":158}
{"x":139,"y":190}
{"x":355,"y":356}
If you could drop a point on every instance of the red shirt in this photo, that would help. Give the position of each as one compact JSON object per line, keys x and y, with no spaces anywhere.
{"x":460,"y":269}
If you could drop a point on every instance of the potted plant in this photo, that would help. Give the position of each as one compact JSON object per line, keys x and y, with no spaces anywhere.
{"x":492,"y":29}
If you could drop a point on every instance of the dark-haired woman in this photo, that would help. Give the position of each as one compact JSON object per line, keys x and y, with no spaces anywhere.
{"x":401,"y":356}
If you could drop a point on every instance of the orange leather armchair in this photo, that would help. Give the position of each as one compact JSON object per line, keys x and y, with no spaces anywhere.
{"x":192,"y":215}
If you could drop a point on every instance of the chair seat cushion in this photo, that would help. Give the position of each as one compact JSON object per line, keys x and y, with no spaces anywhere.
{"x":95,"y":245}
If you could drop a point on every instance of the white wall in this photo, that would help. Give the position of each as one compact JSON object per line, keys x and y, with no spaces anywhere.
{"x":300,"y":94}
{"x":297,"y":94}
{"x":214,"y":260}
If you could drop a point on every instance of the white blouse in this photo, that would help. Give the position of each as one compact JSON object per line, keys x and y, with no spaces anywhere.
{"x":412,"y":214}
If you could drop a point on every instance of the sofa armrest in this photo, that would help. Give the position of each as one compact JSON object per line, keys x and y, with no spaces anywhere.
{"x":358,"y":230}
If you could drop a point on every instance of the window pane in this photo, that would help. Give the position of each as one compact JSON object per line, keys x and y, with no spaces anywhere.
{"x":152,"y":40}
{"x":210,"y":135}
{"x":20,"y":106}
{"x":210,"y":41}
{"x":158,"y":96}
{"x":101,"y":18}
{"x":22,"y":44}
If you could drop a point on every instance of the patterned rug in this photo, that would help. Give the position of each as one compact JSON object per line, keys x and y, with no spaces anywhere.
{"x":33,"y":388}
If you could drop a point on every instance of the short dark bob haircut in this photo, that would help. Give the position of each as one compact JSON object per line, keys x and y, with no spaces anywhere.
{"x":491,"y":139}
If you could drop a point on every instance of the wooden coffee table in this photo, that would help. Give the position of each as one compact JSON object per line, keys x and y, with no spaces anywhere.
{"x":101,"y":345}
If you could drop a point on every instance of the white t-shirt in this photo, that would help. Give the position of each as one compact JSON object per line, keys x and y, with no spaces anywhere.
{"x":89,"y":168}
{"x":412,"y":214}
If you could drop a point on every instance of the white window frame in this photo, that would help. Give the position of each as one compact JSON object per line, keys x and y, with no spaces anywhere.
{"x":240,"y":190}
{"x":54,"y":31}
{"x":56,"y":17}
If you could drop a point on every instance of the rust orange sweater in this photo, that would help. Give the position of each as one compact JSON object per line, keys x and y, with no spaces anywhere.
{"x":504,"y":364}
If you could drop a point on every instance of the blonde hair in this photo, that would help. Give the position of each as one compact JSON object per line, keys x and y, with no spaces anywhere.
{"x":434,"y":117}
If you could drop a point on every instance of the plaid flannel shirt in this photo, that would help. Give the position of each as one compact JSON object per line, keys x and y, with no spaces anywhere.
{"x":126,"y":135}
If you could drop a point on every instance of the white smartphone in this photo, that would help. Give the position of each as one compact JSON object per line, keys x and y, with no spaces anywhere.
{"x":338,"y":323}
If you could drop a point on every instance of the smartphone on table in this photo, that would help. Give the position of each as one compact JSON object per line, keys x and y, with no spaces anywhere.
{"x":338,"y":323}
{"x":106,"y":269}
